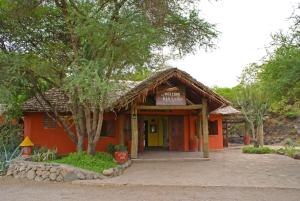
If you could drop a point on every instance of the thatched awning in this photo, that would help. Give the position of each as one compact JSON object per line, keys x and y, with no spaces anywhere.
{"x":130,"y":92}
{"x":228,"y":110}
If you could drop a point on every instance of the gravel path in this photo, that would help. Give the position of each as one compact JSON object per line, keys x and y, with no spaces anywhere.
{"x":24,"y":190}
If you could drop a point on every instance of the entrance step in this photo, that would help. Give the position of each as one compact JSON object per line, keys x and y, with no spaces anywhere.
{"x":144,"y":160}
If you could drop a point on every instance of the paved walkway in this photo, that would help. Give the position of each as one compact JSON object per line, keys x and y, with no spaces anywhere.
{"x":229,"y":168}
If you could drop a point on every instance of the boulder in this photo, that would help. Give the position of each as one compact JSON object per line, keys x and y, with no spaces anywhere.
{"x":52,"y":176}
{"x":45,"y":174}
{"x":38,"y":178}
{"x":31,"y":174}
{"x":108,"y":172}
{"x":297,"y":156}
{"x":70,"y":176}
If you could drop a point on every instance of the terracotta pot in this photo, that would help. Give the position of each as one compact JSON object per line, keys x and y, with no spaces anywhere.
{"x":194,"y":144}
{"x":247,"y":139}
{"x":121,"y":156}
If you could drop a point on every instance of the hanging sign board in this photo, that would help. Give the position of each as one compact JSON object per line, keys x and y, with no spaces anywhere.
{"x":171,"y":96}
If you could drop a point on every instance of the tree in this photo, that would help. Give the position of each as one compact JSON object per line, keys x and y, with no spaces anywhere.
{"x":84,"y":48}
{"x":253,"y":102}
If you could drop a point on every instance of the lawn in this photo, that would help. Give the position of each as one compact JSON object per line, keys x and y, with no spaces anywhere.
{"x":97,"y":163}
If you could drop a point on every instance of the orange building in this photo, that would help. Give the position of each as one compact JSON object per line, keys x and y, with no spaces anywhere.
{"x":168,"y":111}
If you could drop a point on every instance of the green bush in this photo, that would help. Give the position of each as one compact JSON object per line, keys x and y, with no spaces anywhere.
{"x":44,"y":154}
{"x":96,"y":163}
{"x":111,"y":149}
{"x":257,"y":150}
{"x":120,"y":147}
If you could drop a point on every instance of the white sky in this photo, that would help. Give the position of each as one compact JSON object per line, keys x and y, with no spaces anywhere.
{"x":246,"y":27}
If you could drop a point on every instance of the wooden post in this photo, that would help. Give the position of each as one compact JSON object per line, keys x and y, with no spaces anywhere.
{"x":134,"y":132}
{"x":121,"y":128}
{"x":205,"y":128}
{"x":199,"y":129}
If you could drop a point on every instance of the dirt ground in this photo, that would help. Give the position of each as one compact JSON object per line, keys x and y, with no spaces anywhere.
{"x":24,"y":190}
{"x":228,"y":176}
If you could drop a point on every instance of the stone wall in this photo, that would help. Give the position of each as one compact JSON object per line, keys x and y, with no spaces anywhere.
{"x":58,"y":172}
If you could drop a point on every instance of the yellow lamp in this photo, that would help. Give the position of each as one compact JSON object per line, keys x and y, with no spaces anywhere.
{"x":26,"y":147}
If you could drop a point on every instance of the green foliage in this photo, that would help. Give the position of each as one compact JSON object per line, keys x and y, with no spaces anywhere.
{"x":111,"y":149}
{"x":121,"y":148}
{"x":10,"y":136}
{"x":84,"y":47}
{"x":44,"y":154}
{"x":257,"y":150}
{"x":96,"y":163}
{"x":6,"y":157}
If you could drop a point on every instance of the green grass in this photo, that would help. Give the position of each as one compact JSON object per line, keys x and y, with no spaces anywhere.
{"x":257,"y":150}
{"x":96,"y":163}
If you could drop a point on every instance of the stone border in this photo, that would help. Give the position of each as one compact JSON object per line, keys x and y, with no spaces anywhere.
{"x":40,"y":171}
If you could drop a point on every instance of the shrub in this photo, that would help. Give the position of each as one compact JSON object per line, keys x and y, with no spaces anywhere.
{"x":44,"y":154}
{"x":121,"y":148}
{"x":257,"y":150}
{"x":97,"y":163}
{"x":111,"y":149}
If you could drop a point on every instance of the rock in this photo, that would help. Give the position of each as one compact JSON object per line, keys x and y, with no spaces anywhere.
{"x":39,"y":172}
{"x":22,"y":168}
{"x":297,"y":156}
{"x":33,"y":168}
{"x":31,"y":174}
{"x":70,"y":176}
{"x":38,"y":178}
{"x":9,"y":172}
{"x":59,"y":178}
{"x":80,"y":175}
{"x":53,"y":176}
{"x":53,"y":169}
{"x":45,"y":174}
{"x":108,"y":172}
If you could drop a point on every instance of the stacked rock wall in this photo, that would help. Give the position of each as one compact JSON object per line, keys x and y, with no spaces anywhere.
{"x":57,"y":172}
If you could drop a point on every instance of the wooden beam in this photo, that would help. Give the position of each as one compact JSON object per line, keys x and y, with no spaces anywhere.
{"x":169,"y":107}
{"x":205,"y":128}
{"x":134,"y":133}
{"x":121,"y":128}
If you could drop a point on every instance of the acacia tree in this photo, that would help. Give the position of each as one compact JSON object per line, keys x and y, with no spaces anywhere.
{"x":84,"y":47}
{"x":253,"y":102}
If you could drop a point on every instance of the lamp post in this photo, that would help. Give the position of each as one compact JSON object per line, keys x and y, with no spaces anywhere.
{"x":26,"y":147}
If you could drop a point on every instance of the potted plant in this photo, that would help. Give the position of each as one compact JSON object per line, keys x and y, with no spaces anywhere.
{"x":121,"y":153}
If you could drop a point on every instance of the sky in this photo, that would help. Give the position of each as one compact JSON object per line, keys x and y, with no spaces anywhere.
{"x":246,"y":27}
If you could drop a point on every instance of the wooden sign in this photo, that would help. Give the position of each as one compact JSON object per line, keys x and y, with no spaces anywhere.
{"x":171,"y":96}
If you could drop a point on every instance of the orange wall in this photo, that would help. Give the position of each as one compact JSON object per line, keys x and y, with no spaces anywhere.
{"x":216,"y":141}
{"x":57,"y":137}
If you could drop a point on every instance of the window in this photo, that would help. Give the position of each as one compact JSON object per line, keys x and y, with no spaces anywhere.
{"x":108,"y":128}
{"x":213,"y":127}
{"x":49,"y":122}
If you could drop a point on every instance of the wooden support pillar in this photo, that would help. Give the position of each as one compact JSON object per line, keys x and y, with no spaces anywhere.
{"x":134,"y":132}
{"x":199,"y":129}
{"x":205,"y":128}
{"x":121,"y":128}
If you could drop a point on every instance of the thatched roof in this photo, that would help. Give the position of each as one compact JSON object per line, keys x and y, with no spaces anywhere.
{"x":130,"y":92}
{"x":227,"y":110}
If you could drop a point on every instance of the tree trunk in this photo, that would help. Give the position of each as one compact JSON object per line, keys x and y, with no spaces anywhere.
{"x":260,"y":134}
{"x":80,"y":143}
{"x":94,"y":133}
{"x":91,"y":150}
